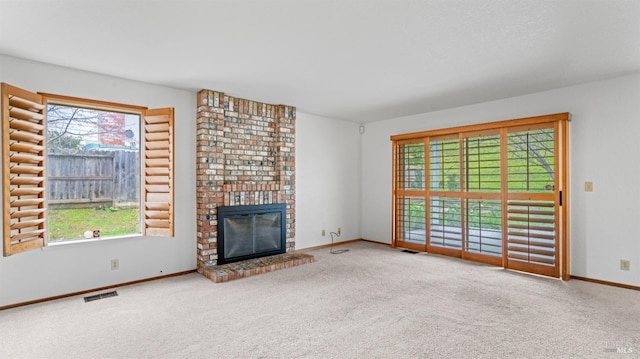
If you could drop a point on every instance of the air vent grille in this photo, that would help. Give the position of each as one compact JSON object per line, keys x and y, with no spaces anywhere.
{"x":91,"y":298}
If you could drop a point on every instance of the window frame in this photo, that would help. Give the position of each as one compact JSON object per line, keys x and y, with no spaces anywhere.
{"x":76,"y":102}
{"x":157,"y":220}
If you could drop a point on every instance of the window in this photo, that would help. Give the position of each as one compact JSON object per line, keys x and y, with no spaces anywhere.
{"x":93,"y":173}
{"x":75,"y":168}
{"x":493,"y":193}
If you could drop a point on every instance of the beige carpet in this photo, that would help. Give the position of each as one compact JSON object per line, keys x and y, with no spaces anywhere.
{"x":370,"y":302}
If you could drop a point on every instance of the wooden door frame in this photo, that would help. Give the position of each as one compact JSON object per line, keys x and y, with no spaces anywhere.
{"x":560,"y":123}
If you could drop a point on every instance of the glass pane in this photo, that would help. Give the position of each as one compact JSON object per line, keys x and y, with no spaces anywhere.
{"x":410,"y":171}
{"x":481,"y":160}
{"x":531,"y":161}
{"x":93,"y":173}
{"x":444,"y":162}
{"x":251,"y":234}
{"x":411,"y":219}
{"x":445,"y":222}
{"x":484,"y":227}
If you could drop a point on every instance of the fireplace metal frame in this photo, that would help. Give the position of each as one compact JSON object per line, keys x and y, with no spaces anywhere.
{"x":227,"y":211}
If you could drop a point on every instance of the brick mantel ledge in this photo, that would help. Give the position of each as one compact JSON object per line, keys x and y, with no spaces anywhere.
{"x":247,"y":187}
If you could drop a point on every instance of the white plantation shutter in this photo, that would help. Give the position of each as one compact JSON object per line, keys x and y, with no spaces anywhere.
{"x":23,"y":161}
{"x":158,"y":172}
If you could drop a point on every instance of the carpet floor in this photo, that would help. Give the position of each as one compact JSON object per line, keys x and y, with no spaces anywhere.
{"x":370,"y":302}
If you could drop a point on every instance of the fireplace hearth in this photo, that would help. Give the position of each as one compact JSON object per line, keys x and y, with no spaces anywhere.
{"x":247,"y":232}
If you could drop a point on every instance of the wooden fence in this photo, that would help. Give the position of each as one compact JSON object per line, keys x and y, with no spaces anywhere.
{"x":92,"y":179}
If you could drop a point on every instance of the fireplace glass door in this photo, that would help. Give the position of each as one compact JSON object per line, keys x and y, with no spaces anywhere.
{"x":250,"y":232}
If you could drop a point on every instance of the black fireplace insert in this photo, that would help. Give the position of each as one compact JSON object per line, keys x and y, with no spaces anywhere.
{"x":246,"y":232}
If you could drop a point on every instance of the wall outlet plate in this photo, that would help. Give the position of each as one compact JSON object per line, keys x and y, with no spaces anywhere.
{"x":115,"y":264}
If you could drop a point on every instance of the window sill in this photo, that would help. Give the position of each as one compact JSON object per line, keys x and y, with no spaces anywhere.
{"x":92,"y":240}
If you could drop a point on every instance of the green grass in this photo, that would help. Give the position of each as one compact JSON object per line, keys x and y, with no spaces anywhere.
{"x":70,"y":224}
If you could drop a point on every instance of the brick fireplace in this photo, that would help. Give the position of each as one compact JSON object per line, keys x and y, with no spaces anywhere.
{"x":245,"y":156}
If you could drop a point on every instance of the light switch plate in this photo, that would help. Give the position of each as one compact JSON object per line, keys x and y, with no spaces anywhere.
{"x":625,"y":264}
{"x":588,"y":186}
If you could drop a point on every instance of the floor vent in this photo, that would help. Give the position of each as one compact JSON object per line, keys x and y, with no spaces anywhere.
{"x":91,"y":298}
{"x":408,"y":251}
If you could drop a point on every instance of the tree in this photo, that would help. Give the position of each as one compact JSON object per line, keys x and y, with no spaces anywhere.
{"x":72,"y":127}
{"x":536,"y":145}
{"x":58,"y":143}
{"x":531,"y":156}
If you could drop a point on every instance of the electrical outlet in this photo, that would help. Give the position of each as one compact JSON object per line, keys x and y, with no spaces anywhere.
{"x":339,"y":231}
{"x":625,"y":264}
{"x":115,"y":264}
{"x":324,"y":232}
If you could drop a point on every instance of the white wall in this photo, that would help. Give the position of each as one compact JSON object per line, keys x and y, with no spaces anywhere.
{"x":327,"y":180}
{"x":604,"y":148}
{"x":62,"y":269}
{"x":343,"y":179}
{"x":327,"y":175}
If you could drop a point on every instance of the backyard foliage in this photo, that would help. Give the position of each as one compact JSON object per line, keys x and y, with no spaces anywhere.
{"x":93,"y":161}
{"x":70,"y":224}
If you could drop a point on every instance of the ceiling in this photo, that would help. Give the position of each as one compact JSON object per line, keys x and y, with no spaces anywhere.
{"x":359,"y":61}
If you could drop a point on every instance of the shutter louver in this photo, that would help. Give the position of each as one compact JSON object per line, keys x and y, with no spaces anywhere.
{"x":481,"y":159}
{"x":23,"y":148}
{"x":410,"y":201}
{"x":411,"y":174}
{"x":445,"y":223}
{"x":411,"y":224}
{"x":484,"y":227}
{"x":444,"y":163}
{"x":532,"y":232}
{"x":158,"y":172}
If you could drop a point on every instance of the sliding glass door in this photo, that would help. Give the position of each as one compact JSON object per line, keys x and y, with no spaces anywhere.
{"x":490,"y":193}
